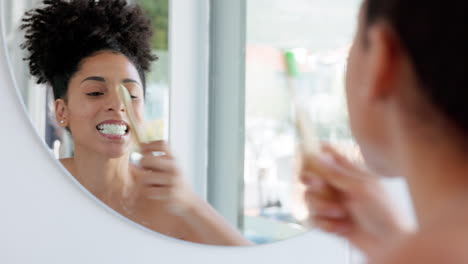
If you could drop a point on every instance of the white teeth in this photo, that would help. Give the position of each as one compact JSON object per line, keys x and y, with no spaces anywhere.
{"x":111,"y":129}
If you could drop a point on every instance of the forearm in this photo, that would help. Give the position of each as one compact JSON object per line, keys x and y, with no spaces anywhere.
{"x":207,"y":226}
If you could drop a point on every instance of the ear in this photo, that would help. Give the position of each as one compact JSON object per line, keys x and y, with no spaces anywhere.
{"x":61,"y":112}
{"x":383,"y":54}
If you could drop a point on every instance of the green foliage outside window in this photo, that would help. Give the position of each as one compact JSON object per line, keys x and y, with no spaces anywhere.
{"x":158,"y":10}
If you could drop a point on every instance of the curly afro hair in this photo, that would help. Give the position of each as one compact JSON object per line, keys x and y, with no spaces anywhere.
{"x":60,"y":34}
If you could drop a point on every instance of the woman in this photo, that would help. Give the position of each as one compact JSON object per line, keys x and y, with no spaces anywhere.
{"x":406,"y":92}
{"x":84,"y":50}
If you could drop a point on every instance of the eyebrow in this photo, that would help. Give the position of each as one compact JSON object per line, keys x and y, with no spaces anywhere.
{"x":101,"y":79}
{"x":130,"y":81}
{"x":94,"y":78}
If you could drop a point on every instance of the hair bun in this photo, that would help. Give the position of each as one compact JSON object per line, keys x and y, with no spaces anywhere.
{"x":59,"y":34}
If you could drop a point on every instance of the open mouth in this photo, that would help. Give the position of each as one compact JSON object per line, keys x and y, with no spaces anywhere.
{"x":113,"y":128}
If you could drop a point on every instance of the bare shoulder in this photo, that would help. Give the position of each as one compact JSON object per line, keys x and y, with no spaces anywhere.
{"x":444,"y":244}
{"x":67,"y":162}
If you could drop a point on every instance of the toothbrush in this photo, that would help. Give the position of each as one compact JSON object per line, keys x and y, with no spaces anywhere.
{"x":133,"y":123}
{"x":309,"y":145}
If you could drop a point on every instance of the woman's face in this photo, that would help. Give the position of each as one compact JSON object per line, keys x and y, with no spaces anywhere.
{"x":93,"y":110}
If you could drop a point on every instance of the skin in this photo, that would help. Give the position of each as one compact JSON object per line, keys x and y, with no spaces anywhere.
{"x":359,"y":210}
{"x":154,"y":193}
{"x":385,"y":107}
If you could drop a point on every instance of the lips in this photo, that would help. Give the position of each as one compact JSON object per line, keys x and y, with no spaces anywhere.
{"x":113,"y":129}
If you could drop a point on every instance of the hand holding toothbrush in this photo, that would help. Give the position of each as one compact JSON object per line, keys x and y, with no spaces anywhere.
{"x":361,"y":210}
{"x":158,"y":177}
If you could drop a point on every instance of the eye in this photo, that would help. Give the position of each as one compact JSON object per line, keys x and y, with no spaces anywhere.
{"x":95,"y":94}
{"x":133,"y":97}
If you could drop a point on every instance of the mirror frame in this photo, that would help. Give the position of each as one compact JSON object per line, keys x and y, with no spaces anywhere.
{"x":48,"y":217}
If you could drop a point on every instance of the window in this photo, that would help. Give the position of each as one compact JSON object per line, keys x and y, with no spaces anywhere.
{"x":293,"y":47}
{"x":157,"y":95}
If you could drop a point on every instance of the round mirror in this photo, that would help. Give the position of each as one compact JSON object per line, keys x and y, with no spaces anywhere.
{"x":288,"y":49}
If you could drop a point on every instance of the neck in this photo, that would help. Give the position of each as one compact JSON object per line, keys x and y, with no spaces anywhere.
{"x":107,"y":178}
{"x":436,"y":172}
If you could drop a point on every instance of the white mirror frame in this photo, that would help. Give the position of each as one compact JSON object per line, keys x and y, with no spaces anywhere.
{"x":47,"y":217}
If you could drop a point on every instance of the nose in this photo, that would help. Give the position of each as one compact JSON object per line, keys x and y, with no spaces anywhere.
{"x":115,"y":103}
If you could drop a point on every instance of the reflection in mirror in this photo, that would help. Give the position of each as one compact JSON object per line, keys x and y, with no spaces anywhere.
{"x":79,"y":52}
{"x":301,"y":47}
{"x":72,"y":109}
